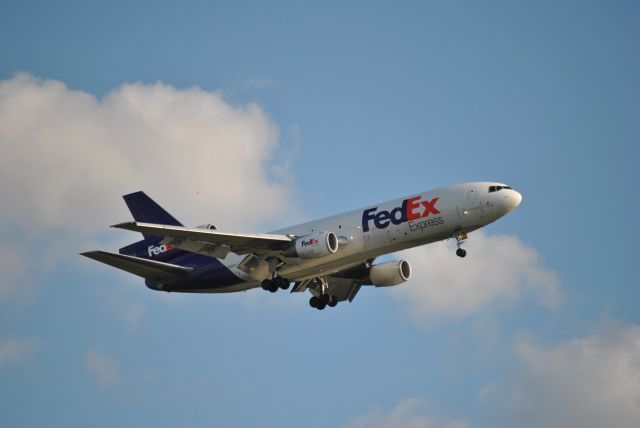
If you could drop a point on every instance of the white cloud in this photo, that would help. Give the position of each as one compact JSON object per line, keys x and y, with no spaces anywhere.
{"x":409,"y":413}
{"x":68,"y":157}
{"x":15,"y":349}
{"x":102,"y":366}
{"x":498,"y":268}
{"x":588,"y":382}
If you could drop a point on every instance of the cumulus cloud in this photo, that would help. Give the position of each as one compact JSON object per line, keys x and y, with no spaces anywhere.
{"x":14,"y":349}
{"x":409,"y":413}
{"x":587,"y":382}
{"x":68,"y":157}
{"x":498,"y":268}
{"x":102,"y":366}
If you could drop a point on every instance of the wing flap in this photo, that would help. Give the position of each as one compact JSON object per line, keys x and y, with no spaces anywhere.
{"x":341,"y":288}
{"x":239,"y":243}
{"x":148,"y":269}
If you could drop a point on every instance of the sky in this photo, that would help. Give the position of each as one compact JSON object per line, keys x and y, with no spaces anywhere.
{"x":258,"y":115}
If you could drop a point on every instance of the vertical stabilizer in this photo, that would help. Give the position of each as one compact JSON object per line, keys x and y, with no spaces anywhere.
{"x":146,"y":210}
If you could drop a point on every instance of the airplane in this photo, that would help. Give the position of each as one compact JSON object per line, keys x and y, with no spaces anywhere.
{"x":332,"y":257}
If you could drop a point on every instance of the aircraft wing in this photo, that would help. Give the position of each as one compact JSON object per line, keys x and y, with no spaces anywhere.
{"x":212,"y":242}
{"x":148,"y":269}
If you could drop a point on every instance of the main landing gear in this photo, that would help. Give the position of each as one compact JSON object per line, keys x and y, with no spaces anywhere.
{"x":322,"y":301}
{"x":274,"y":284}
{"x":460,"y":238}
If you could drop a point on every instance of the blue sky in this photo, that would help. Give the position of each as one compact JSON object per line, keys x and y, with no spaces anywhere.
{"x":257,"y":115}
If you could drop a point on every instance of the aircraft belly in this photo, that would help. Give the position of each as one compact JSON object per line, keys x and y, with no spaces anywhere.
{"x":216,"y":278}
{"x":207,"y":288}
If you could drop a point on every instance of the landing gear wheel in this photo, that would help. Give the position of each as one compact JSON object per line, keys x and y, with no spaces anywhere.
{"x":267,"y":284}
{"x":281,"y":282}
{"x":314,"y":302}
{"x":460,"y":238}
{"x":333,"y":301}
{"x":321,"y":305}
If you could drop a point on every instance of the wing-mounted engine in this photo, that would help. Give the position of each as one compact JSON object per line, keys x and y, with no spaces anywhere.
{"x":390,"y":273}
{"x":312,"y":246}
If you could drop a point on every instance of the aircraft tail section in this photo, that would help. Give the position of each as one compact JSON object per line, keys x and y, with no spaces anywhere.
{"x":144,"y":209}
{"x":148,"y":269}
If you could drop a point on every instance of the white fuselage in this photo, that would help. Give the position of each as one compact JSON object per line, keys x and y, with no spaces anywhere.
{"x":392,"y":226}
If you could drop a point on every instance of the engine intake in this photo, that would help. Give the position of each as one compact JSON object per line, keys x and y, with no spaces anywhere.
{"x":312,"y":246}
{"x":390,"y":273}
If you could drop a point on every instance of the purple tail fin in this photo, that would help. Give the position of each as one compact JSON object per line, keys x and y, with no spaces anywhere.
{"x":146,"y":210}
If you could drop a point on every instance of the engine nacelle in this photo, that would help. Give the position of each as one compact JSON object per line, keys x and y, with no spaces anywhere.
{"x":390,"y":273}
{"x":312,"y":246}
{"x":207,"y":226}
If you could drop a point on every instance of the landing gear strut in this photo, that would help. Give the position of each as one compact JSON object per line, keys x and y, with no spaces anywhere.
{"x":460,"y":238}
{"x":274,"y":284}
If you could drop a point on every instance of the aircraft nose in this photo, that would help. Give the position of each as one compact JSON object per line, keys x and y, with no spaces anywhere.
{"x":515,"y":199}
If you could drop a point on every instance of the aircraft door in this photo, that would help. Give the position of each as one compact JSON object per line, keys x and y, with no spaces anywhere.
{"x":472,"y":196}
{"x":472,"y":213}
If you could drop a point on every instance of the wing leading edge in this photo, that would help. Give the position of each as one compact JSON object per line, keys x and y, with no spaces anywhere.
{"x":212,"y":241}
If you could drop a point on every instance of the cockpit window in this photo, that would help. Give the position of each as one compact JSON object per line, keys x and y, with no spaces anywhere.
{"x":497,"y":188}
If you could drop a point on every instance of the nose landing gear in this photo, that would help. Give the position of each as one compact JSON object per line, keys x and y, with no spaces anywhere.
{"x":460,"y":238}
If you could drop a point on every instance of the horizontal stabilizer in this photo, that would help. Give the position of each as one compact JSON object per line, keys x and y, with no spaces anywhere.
{"x":148,"y":269}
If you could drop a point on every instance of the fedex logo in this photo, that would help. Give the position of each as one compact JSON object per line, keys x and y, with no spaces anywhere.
{"x":154,"y":251}
{"x":310,"y":242}
{"x":411,"y":209}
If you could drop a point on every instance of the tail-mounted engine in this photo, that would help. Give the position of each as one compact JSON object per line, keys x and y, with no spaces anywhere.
{"x":208,"y":226}
{"x":312,"y":246}
{"x":390,"y":273}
